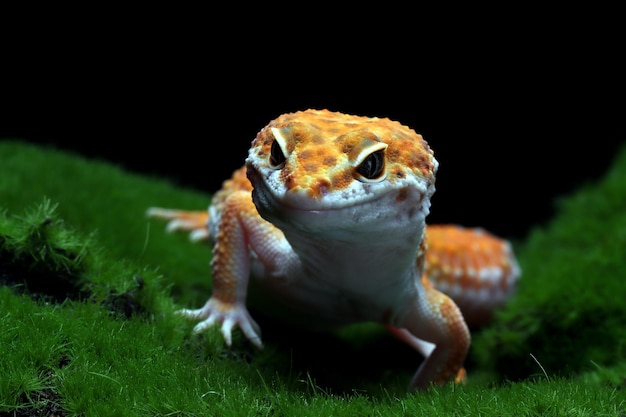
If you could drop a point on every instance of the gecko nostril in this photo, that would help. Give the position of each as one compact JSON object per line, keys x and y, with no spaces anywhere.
{"x":319,"y":188}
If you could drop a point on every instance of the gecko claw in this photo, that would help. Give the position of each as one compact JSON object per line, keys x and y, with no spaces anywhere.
{"x":229,"y":315}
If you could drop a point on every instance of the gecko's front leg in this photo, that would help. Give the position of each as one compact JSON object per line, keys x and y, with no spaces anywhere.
{"x":230,"y":270}
{"x":435,"y":327}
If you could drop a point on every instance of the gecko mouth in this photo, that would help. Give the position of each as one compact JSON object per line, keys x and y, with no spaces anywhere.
{"x":388,"y":207}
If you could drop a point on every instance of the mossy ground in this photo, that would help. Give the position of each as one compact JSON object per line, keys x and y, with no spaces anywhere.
{"x":89,"y":289}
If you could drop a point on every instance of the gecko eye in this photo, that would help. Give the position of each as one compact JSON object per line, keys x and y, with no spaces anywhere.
{"x":277,"y":157}
{"x":373,"y":166}
{"x":277,"y":149}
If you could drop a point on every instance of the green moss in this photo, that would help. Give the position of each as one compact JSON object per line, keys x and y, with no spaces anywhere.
{"x":119,"y":349}
{"x":570,"y":309}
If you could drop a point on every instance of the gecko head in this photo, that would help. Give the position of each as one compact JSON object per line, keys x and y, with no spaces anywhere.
{"x":318,"y":171}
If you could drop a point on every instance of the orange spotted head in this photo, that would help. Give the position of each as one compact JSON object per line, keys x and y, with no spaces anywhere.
{"x":317,"y":161}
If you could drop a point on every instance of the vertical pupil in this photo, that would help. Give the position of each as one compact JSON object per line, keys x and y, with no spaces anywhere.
{"x":277,"y":156}
{"x":372,"y":166}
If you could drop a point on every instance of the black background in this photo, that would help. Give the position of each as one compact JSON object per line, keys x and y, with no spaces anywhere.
{"x":517,"y":114}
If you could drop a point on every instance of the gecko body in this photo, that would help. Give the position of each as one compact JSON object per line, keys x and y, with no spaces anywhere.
{"x":325,"y":225}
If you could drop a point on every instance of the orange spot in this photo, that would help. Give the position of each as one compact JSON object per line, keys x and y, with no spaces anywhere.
{"x":402,"y":195}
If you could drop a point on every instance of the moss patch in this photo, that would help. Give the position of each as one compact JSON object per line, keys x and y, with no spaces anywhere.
{"x":569,"y":314}
{"x":41,"y":258}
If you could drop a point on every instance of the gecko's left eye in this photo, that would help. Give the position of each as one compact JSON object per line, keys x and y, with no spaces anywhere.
{"x":372,"y":166}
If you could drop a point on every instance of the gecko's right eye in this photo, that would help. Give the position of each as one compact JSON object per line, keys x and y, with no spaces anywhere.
{"x":278,"y":150}
{"x":277,"y":156}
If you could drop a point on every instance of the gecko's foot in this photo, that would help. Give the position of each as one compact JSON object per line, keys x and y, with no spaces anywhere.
{"x":229,"y":315}
{"x":461,"y":376}
{"x":195,"y":222}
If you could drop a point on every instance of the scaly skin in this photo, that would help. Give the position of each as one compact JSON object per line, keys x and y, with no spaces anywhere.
{"x":325,"y":224}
